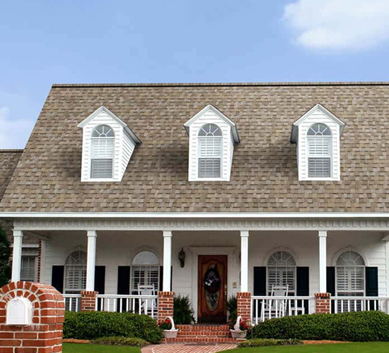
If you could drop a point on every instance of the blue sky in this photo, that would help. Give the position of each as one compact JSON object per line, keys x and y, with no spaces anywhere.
{"x":84,"y":41}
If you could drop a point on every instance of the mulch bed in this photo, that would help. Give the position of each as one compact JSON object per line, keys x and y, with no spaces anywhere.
{"x":323,"y":342}
{"x":73,"y":340}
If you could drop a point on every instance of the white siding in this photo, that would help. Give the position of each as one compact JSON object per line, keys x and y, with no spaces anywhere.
{"x":123,"y":147}
{"x":302,"y":152}
{"x":210,"y":117}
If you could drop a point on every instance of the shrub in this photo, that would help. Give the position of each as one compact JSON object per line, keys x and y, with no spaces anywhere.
{"x":93,"y":325}
{"x":359,"y":327}
{"x":120,"y":341}
{"x":183,"y":313}
{"x":262,"y":342}
{"x":166,"y":325}
{"x":232,"y":308}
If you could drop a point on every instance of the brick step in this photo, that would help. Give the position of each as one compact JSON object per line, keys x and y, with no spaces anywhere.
{"x":203,"y":333}
{"x":207,"y":328}
{"x":202,"y":340}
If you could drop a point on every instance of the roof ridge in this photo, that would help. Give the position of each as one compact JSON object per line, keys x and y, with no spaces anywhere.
{"x":220,"y":84}
{"x":20,"y":150}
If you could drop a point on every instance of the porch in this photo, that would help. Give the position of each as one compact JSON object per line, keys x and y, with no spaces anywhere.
{"x":118,"y":260}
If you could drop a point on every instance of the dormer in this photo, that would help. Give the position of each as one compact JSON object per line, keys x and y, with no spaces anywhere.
{"x":107,"y":146}
{"x":317,"y":135}
{"x":212,"y":137}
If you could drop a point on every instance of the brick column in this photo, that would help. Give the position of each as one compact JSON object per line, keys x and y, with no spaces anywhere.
{"x":44,"y":333}
{"x":244,"y":305}
{"x":88,"y":300}
{"x":165,"y":305}
{"x":323,"y":303}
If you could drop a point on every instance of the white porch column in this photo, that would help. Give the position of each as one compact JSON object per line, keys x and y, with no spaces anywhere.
{"x":323,"y":261}
{"x":91,"y":260}
{"x":17,"y":255}
{"x":244,"y":260}
{"x":167,"y":260}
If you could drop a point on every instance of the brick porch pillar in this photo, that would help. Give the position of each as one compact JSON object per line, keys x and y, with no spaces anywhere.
{"x":165,"y":305}
{"x":88,"y":300}
{"x":323,"y":303}
{"x":244,"y":305}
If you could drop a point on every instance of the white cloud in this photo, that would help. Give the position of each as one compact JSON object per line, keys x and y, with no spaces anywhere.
{"x":339,"y":25}
{"x":17,"y":118}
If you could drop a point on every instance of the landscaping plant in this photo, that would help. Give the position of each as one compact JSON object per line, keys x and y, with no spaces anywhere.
{"x":364,"y":326}
{"x":232,"y":309}
{"x":165,"y":325}
{"x":93,"y":325}
{"x":263,"y":342}
{"x":120,"y":341}
{"x":183,"y":313}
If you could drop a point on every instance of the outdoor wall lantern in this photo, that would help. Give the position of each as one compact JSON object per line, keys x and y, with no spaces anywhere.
{"x":181,"y":257}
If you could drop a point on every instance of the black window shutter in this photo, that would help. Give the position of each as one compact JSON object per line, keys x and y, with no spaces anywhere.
{"x":331,"y":280}
{"x":124,"y":279}
{"x":100,"y":279}
{"x":302,"y":281}
{"x":161,"y":279}
{"x":371,"y":281}
{"x":57,"y":278}
{"x":259,"y":280}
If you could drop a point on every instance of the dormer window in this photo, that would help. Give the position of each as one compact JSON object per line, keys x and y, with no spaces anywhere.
{"x":107,"y":147}
{"x":317,"y":135}
{"x":210,"y":151}
{"x":319,"y":151}
{"x":212,"y":137}
{"x":102,"y":152}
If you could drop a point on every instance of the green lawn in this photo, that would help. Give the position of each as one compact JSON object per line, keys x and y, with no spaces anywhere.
{"x":92,"y":348}
{"x":373,"y":347}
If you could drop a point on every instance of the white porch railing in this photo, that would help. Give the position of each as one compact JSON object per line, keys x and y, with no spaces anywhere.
{"x":271,"y":307}
{"x":138,"y":304}
{"x":72,"y":302}
{"x":352,"y":304}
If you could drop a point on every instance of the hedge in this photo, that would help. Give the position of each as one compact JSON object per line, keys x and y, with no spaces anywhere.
{"x":92,"y":325}
{"x":357,"y":327}
{"x":264,"y":342}
{"x":120,"y":341}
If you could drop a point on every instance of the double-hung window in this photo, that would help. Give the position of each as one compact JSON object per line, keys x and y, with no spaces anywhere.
{"x":281,"y":271}
{"x":319,"y":141}
{"x":350,"y":274}
{"x":102,"y":152}
{"x":210,"y":151}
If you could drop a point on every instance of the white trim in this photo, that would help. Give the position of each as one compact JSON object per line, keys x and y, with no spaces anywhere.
{"x":114,"y":117}
{"x":346,"y":249}
{"x":219,"y":114}
{"x":196,"y":215}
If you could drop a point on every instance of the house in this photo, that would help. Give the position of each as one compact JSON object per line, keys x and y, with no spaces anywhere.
{"x":129,"y":192}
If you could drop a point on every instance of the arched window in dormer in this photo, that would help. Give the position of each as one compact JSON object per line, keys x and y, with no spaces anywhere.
{"x":210,"y":151}
{"x":102,"y":152}
{"x":319,"y":151}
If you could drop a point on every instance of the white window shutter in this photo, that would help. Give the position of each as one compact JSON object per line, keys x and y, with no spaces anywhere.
{"x":319,"y":157}
{"x":210,"y":153}
{"x":102,"y":157}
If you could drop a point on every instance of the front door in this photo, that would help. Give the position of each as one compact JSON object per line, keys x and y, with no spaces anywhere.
{"x":212,"y":289}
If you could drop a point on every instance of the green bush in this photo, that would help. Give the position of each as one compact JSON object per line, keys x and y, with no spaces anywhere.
{"x":262,"y":342}
{"x":358,"y":327}
{"x":183,"y":314}
{"x":93,"y":325}
{"x":232,"y":308}
{"x":120,"y":341}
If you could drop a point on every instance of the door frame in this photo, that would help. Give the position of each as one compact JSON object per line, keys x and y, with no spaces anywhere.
{"x":233,"y":269}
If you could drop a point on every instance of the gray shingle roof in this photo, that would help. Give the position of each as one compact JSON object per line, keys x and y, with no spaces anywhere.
{"x":264,"y":173}
{"x":8,"y":161}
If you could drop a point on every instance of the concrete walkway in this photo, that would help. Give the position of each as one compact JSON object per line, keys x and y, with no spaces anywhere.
{"x":187,"y":348}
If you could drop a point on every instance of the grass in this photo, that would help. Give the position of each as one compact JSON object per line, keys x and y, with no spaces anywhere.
{"x":92,"y":348}
{"x":370,"y":347}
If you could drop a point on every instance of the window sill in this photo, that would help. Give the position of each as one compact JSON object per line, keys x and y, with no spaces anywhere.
{"x":111,"y":180}
{"x":209,"y":179}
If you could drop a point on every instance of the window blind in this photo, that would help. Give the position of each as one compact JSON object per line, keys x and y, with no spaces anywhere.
{"x":281,"y":276}
{"x":350,"y":280}
{"x":210,"y":151}
{"x":28,"y":269}
{"x":102,"y":157}
{"x":145,"y":275}
{"x":319,"y":157}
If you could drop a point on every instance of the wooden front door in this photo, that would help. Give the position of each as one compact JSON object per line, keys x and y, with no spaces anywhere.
{"x":212,"y":289}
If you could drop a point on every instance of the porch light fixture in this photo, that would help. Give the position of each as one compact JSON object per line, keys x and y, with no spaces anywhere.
{"x":181,"y":257}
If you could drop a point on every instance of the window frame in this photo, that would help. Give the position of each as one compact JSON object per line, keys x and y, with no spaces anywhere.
{"x":329,"y":156}
{"x":35,"y":259}
{"x":146,"y":267}
{"x":292,"y":292}
{"x":350,"y":293}
{"x":67,"y":265}
{"x":91,"y":178}
{"x":221,"y":139}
